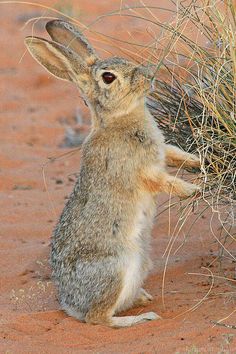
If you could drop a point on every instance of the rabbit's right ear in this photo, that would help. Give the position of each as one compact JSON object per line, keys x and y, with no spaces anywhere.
{"x":69,"y":35}
{"x":60,"y":61}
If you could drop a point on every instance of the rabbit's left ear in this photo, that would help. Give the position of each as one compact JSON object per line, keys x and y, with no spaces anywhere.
{"x":60,"y":61}
{"x":69,"y":36}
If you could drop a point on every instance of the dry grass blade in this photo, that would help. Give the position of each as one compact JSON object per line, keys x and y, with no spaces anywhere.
{"x":205,"y":297}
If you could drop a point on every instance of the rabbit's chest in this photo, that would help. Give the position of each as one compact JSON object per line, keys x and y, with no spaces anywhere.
{"x":147,"y":146}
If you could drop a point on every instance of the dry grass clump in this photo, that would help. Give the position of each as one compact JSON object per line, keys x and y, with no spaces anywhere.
{"x":199,"y":107}
{"x":196,"y":104}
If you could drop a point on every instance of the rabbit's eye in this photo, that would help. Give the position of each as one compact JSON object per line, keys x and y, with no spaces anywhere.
{"x":108,"y":77}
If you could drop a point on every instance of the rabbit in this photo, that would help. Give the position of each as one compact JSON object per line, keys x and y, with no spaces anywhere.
{"x":101,"y":244}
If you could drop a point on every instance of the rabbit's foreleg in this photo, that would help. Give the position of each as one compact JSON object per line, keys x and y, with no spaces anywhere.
{"x":179,"y":158}
{"x":159,"y":181}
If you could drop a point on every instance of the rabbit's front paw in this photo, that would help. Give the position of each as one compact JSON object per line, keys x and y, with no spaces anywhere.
{"x":193,"y":161}
{"x":189,"y":189}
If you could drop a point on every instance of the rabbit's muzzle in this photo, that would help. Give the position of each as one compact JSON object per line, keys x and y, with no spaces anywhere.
{"x":141,"y":78}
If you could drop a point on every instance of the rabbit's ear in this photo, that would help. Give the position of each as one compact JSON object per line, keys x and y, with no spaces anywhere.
{"x":60,"y":61}
{"x":70,"y":36}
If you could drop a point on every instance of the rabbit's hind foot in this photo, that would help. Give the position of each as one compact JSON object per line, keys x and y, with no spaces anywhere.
{"x":128,"y":321}
{"x":124,"y":321}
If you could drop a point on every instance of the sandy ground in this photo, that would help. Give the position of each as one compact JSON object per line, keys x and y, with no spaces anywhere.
{"x":33,"y":110}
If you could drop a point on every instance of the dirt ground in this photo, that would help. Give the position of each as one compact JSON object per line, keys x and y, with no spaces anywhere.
{"x":34,"y":109}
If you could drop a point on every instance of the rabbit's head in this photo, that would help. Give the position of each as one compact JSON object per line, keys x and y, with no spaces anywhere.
{"x":113,"y":85}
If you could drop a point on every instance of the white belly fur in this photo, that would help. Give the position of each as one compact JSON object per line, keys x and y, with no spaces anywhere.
{"x":132,"y":261}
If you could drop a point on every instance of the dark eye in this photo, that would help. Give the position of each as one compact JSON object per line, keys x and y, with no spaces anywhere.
{"x":108,"y":77}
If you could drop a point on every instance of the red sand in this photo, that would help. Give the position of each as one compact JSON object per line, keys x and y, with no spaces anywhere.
{"x":33,"y":105}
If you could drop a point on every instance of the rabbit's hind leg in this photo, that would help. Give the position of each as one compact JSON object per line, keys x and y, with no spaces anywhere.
{"x":104,"y":306}
{"x":102,"y":312}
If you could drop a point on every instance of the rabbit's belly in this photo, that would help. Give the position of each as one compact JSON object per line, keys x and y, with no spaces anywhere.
{"x":132,"y":281}
{"x":145,"y":215}
{"x":133,"y":262}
